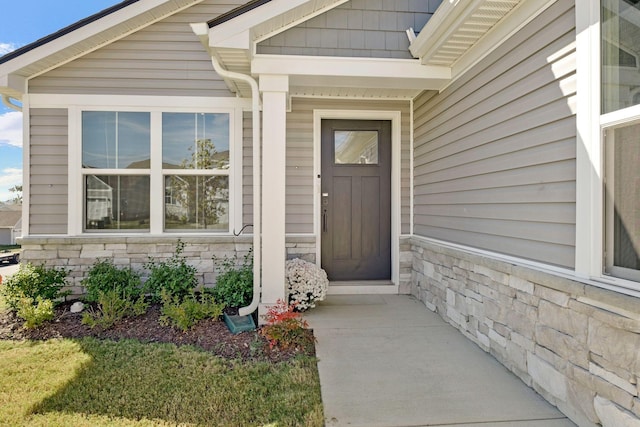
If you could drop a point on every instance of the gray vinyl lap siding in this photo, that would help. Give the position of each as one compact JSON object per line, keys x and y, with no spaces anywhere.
{"x":358,"y":28}
{"x":494,"y":164}
{"x":48,"y":183}
{"x":165,"y":58}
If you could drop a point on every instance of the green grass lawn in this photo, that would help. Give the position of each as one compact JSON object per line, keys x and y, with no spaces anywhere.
{"x":89,"y":382}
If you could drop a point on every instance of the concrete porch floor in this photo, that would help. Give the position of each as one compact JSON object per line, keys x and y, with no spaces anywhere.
{"x":385,"y":360}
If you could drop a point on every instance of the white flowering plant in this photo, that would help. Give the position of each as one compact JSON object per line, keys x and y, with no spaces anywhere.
{"x":306,"y":283}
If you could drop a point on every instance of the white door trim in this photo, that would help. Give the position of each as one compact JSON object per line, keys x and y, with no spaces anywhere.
{"x":396,"y":140}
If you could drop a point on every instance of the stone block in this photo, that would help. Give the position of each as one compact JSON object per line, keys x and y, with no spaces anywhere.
{"x":94,"y":255}
{"x":613,"y":416}
{"x":521,"y":285}
{"x":552,"y":295}
{"x":93,"y":247}
{"x":618,"y":346}
{"x":600,"y":386}
{"x":497,"y":338}
{"x":580,"y":398}
{"x":564,"y":320}
{"x":522,"y":341}
{"x":547,"y":377}
{"x":142,"y":248}
{"x":517,"y":356}
{"x":605,"y":316}
{"x":563,"y":345}
{"x":619,"y":371}
{"x":559,"y":363}
{"x":522,"y":323}
{"x":528,"y":299}
{"x":613,"y":379}
{"x":483,"y":340}
{"x":496,"y":276}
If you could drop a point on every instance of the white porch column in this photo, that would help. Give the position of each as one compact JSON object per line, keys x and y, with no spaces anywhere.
{"x":274,"y":90}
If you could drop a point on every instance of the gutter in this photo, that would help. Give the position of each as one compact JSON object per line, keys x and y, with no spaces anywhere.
{"x":6,"y":100}
{"x":202,"y":31}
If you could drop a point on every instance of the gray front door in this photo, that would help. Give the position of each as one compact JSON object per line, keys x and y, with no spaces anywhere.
{"x":356,"y":199}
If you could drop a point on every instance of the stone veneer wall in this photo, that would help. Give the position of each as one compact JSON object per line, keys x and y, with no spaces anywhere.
{"x":79,"y":253}
{"x":576,"y":344}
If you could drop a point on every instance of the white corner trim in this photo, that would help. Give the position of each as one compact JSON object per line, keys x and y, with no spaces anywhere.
{"x":396,"y":150}
{"x":589,"y":225}
{"x":26,"y":168}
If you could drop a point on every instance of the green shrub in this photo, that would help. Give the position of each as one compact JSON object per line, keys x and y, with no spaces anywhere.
{"x":185,"y":313}
{"x":32,"y":282}
{"x":35,"y":313}
{"x":103,"y":277}
{"x":174,"y":276}
{"x":234,"y":286}
{"x":114,"y":305}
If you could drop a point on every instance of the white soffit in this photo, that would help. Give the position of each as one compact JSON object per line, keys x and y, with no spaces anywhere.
{"x":456,"y":27}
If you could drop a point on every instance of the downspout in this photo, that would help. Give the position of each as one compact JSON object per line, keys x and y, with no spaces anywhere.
{"x":6,"y":100}
{"x":257,"y":230}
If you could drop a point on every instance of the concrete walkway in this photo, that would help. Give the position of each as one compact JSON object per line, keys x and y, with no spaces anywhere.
{"x":388,"y":361}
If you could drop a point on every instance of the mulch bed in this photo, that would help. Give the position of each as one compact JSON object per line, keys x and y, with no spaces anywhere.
{"x":211,"y":335}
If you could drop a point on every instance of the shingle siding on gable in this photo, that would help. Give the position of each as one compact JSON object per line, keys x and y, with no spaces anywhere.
{"x":359,"y":28}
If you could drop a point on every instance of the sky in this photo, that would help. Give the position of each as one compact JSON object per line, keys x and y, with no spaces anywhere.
{"x":26,"y":21}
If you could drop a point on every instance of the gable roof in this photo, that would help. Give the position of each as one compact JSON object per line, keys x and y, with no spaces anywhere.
{"x":9,"y":219}
{"x":65,"y":30}
{"x":81,"y":38}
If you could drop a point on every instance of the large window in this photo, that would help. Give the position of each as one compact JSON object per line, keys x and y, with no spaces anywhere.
{"x":129,"y":156}
{"x":620,"y":50}
{"x":197,"y":192}
{"x":116,"y":162}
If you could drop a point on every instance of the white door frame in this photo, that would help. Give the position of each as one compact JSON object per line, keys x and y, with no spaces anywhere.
{"x":396,"y":141}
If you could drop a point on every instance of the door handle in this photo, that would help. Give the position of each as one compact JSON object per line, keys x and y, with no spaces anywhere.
{"x":324,"y":220}
{"x":325,"y":205}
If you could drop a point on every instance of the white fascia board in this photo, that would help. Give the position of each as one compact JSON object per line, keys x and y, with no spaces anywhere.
{"x":87,"y":31}
{"x":448,"y":17}
{"x":245,"y":22}
{"x":328,"y":66}
{"x":520,"y":16}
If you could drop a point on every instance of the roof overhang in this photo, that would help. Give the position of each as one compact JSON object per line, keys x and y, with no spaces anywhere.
{"x":80,"y":39}
{"x":463,"y":32}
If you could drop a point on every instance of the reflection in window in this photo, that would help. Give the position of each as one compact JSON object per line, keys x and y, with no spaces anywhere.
{"x":196,"y":202}
{"x":117,"y":202}
{"x":356,"y":147}
{"x":195,"y":141}
{"x":622,"y":201}
{"x":116,"y":140}
{"x":620,"y":53}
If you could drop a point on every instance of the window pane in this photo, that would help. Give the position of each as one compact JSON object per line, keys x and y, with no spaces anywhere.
{"x":196,"y":202}
{"x":623,"y":202}
{"x":113,"y":140}
{"x":356,"y":147}
{"x":117,"y":202}
{"x":195,"y":141}
{"x":620,"y":53}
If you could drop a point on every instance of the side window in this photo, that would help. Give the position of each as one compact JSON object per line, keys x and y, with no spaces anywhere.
{"x":620,"y":86}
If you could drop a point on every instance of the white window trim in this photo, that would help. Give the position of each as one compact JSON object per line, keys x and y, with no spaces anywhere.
{"x":396,"y":145}
{"x":589,"y":156}
{"x":75,"y":104}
